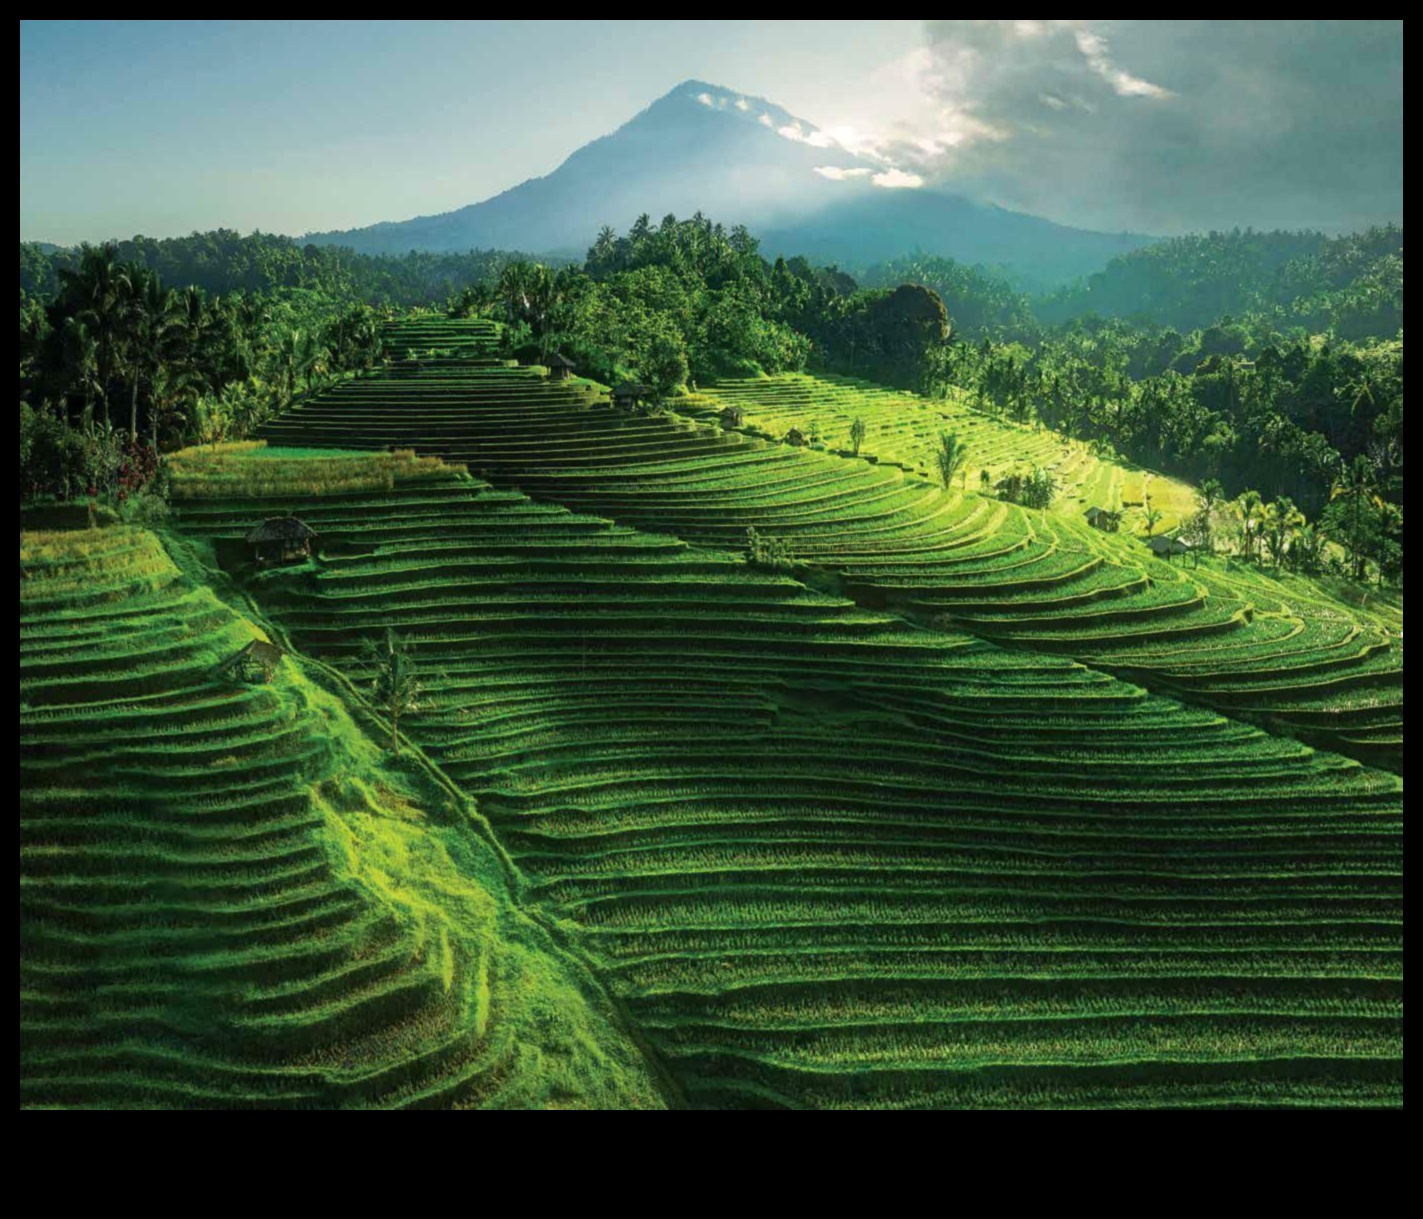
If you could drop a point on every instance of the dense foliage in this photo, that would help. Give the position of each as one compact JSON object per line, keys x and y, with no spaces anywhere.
{"x":224,"y":261}
{"x":115,"y":362}
{"x":1352,"y":285}
{"x":1271,"y":362}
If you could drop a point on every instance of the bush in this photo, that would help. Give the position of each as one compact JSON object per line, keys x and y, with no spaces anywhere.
{"x":1034,"y":488}
{"x":144,"y":508}
{"x":764,"y":551}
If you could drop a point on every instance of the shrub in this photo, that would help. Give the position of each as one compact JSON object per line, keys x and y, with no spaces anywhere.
{"x":764,"y":551}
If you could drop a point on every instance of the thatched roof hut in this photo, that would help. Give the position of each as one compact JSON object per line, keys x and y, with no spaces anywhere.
{"x":796,"y":437}
{"x":732,"y":416}
{"x":630,"y":393}
{"x":258,"y":659}
{"x":560,"y":367}
{"x":1165,"y":547}
{"x":280,"y":539}
{"x":1103,"y":519}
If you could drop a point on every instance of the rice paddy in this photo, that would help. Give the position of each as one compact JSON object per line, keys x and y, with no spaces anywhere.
{"x":903,"y":429}
{"x":1272,"y":648}
{"x":229,"y":898}
{"x":825,"y":858}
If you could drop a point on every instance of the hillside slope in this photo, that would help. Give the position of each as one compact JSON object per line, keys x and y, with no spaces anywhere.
{"x":229,"y":897}
{"x":1229,"y":636}
{"x":830,"y":860}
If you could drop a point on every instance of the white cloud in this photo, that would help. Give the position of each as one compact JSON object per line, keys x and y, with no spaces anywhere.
{"x":1160,"y":126}
{"x":1094,"y":50}
{"x":742,"y":104}
{"x":838,"y":173}
{"x":897,"y":179}
{"x":706,"y":99}
{"x":816,"y":139}
{"x":765,"y":121}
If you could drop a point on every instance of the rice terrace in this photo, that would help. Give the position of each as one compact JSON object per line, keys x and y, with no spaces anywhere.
{"x":898,"y":614}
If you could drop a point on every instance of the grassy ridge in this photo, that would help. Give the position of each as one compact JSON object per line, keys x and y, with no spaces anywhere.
{"x":228,"y":898}
{"x":831,"y":860}
{"x":1278,"y":650}
{"x":903,"y":428}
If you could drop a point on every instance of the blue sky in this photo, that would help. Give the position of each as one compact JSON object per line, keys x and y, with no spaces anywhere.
{"x":165,"y":128}
{"x":1157,"y":126}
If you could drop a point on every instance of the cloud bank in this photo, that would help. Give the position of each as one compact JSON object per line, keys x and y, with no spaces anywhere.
{"x":1161,"y":126}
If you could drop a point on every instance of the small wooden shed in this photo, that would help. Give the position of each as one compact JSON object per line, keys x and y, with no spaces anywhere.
{"x":732,"y":417}
{"x":796,"y":437}
{"x":1104,"y":519}
{"x":560,"y":367}
{"x":258,"y":660}
{"x":1164,"y":547}
{"x":280,"y":539}
{"x":629,"y":394}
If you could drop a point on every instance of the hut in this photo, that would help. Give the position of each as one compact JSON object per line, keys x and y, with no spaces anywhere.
{"x":256,"y":662}
{"x":732,"y":417}
{"x":1164,"y":547}
{"x":560,"y":367}
{"x":1104,"y":519}
{"x":796,"y":437}
{"x":280,"y":539}
{"x":629,"y":394}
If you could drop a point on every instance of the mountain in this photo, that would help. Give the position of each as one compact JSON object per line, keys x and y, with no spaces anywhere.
{"x":744,"y":160}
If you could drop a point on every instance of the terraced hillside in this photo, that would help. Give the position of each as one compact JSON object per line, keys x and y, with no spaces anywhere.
{"x":831,"y":860}
{"x":228,"y":898}
{"x":1274,"y":649}
{"x":433,"y":337}
{"x":904,"y":428}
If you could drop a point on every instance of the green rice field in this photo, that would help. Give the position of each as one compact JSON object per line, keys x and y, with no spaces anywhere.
{"x":230,"y":898}
{"x":1274,"y":649}
{"x":827,"y":858}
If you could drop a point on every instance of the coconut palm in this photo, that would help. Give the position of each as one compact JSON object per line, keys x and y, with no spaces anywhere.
{"x":99,"y":292}
{"x":1247,"y":509}
{"x":81,"y":358}
{"x":149,"y":321}
{"x":950,"y":456}
{"x":1278,"y":523}
{"x":1357,"y":486}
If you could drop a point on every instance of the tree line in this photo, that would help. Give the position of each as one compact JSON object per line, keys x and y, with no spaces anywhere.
{"x":115,"y":365}
{"x":1290,"y":399}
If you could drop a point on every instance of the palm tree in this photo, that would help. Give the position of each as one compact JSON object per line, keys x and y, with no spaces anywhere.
{"x":149,"y":321}
{"x":1357,"y":485}
{"x":1278,"y":522}
{"x":1211,"y":495}
{"x":1307,"y":549}
{"x":98,"y":291}
{"x":1152,"y":516}
{"x":1247,"y":508}
{"x":177,"y":388}
{"x":394,"y":681}
{"x":857,"y":435}
{"x":81,"y":358}
{"x":950,"y":456}
{"x":291,"y":351}
{"x":312,"y":358}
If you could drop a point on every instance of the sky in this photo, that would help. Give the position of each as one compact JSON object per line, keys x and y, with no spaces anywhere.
{"x":165,"y":128}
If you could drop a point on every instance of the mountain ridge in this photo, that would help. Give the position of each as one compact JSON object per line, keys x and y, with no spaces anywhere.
{"x":744,"y":160}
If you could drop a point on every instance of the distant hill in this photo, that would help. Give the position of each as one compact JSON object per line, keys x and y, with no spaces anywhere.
{"x":1351,"y":284}
{"x":744,"y":160}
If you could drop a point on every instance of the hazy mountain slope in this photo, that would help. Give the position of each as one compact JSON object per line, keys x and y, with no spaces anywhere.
{"x":743,"y":160}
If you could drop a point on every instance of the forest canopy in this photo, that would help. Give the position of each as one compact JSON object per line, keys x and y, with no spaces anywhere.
{"x":1267,"y":362}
